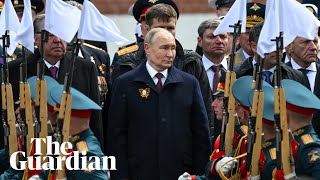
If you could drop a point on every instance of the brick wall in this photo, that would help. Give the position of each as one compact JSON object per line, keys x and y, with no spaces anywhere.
{"x":185,"y":6}
{"x":121,"y":6}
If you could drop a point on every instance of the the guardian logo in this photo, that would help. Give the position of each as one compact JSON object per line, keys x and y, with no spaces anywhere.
{"x":55,"y":160}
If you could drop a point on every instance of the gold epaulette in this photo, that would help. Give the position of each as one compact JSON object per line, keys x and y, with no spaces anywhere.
{"x":19,"y":46}
{"x":306,"y":139}
{"x":82,"y":146}
{"x":128,"y":49}
{"x":92,"y":46}
{"x":244,"y":129}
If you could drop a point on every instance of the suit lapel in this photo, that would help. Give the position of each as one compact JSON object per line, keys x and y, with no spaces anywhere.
{"x":65,"y":65}
{"x":142,"y":75}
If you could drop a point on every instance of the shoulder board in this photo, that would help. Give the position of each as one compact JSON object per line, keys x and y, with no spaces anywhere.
{"x":129,"y":49}
{"x":298,"y":132}
{"x":306,"y":139}
{"x":272,"y":152}
{"x":244,"y":129}
{"x":128,"y":45}
{"x":82,"y":146}
{"x":92,"y":46}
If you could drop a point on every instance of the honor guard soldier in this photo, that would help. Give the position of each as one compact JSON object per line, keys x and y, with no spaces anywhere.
{"x":81,"y":136}
{"x":301,"y":104}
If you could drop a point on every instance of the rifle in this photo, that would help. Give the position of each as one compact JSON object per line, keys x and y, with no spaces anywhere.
{"x":65,"y":108}
{"x":226,"y":142}
{"x":8,"y":114}
{"x":255,"y":128}
{"x":25,"y":107}
{"x":285,"y":161}
{"x":41,"y":119}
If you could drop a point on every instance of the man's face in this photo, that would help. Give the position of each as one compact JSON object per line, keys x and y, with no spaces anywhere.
{"x":54,"y":48}
{"x":170,"y":25}
{"x":161,"y":51}
{"x":304,"y":51}
{"x":217,"y":106}
{"x":245,"y":43}
{"x":270,"y":60}
{"x":213,"y":46}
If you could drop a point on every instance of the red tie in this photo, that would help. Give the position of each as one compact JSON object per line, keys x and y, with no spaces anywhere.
{"x":159,"y":84}
{"x":53,"y":70}
{"x":216,"y":70}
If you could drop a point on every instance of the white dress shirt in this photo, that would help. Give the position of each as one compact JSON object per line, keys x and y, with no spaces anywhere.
{"x":207,"y":66}
{"x":311,"y":74}
{"x":56,"y":65}
{"x":152,"y":72}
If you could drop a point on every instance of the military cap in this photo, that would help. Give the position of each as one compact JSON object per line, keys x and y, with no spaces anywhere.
{"x":255,"y":14}
{"x":241,"y":89}
{"x":221,"y":3}
{"x":299,"y":98}
{"x":50,"y":84}
{"x":221,"y":85}
{"x":79,"y":100}
{"x":312,"y":8}
{"x":141,"y":6}
{"x":315,"y":2}
{"x":36,"y":5}
{"x":268,"y":102}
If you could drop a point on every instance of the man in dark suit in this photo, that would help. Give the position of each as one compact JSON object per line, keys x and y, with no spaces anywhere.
{"x":303,"y":58}
{"x":269,"y":63}
{"x":165,"y":16}
{"x":158,"y":122}
{"x":57,"y":64}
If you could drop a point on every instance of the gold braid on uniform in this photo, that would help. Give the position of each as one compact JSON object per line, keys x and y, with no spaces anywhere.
{"x":235,"y":175}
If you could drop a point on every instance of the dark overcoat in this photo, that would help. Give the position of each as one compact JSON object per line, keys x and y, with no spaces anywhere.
{"x":157,"y":135}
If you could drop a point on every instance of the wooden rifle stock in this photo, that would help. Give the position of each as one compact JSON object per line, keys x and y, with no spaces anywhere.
{"x":64,"y":117}
{"x":255,"y":126}
{"x":8,"y":104}
{"x":285,"y":161}
{"x":227,"y":131}
{"x":230,"y":79}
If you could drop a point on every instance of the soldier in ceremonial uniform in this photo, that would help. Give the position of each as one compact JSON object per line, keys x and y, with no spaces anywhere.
{"x":82,"y":138}
{"x":255,"y":15}
{"x":301,"y":104}
{"x":241,"y":91}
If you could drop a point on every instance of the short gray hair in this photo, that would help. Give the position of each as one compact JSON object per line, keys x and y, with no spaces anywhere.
{"x":37,"y":23}
{"x":210,"y":23}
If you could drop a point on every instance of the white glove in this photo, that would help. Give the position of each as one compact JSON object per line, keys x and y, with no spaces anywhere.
{"x":185,"y":176}
{"x":227,"y":167}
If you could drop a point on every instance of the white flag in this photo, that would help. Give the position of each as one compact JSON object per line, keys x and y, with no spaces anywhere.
{"x":96,"y":27}
{"x":9,"y":22}
{"x":62,"y":19}
{"x":25,"y":34}
{"x":237,"y":12}
{"x":289,"y":17}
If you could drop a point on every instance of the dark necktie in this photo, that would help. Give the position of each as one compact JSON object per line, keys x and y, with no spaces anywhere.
{"x":159,"y":84}
{"x":267,"y":76}
{"x":216,"y":76}
{"x":305,"y":72}
{"x":53,"y":70}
